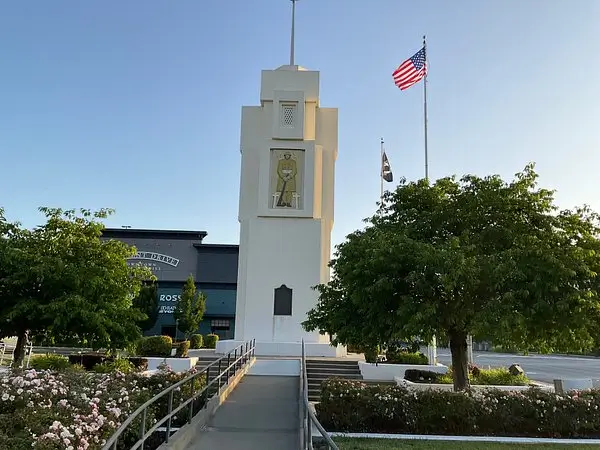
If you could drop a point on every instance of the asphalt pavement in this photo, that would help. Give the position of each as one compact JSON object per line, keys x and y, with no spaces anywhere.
{"x":544,"y":368}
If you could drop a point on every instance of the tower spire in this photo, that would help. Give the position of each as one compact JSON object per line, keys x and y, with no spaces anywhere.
{"x":292,"y":63}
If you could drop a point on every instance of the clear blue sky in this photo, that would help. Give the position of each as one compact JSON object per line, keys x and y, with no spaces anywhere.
{"x":136,"y":105}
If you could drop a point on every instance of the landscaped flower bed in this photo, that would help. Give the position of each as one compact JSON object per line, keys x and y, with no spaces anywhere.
{"x":350,"y":406}
{"x":486,"y":377}
{"x":76,"y":410}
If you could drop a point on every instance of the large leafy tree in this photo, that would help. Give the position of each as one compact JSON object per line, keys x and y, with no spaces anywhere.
{"x":147,"y":302}
{"x":9,"y":235}
{"x":477,"y":256}
{"x":190,"y":309}
{"x":65,"y":281}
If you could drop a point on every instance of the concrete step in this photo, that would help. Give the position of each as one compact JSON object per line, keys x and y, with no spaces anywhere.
{"x":332,"y":369}
{"x":313,"y":369}
{"x":327,"y":376}
{"x":353,"y":365}
{"x":310,"y":370}
{"x":335,"y":373}
{"x":331,"y":362}
{"x":320,"y":370}
{"x":207,"y":358}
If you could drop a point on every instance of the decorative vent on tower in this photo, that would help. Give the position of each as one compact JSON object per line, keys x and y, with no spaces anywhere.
{"x":287,"y":116}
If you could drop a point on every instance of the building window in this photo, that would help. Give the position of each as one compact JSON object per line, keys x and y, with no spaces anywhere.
{"x":282,"y":301}
{"x":222,"y":328}
{"x":219,"y":324}
{"x":287,"y":115}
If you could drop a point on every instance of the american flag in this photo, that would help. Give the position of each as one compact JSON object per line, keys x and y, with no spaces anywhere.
{"x":411,"y":71}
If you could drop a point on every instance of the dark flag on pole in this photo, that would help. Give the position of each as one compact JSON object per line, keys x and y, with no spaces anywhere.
{"x":386,"y":169}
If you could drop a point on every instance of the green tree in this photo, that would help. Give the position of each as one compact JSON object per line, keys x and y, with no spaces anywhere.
{"x":9,"y":236}
{"x":477,"y":256}
{"x":147,"y":302}
{"x":65,"y":282}
{"x":190,"y":308}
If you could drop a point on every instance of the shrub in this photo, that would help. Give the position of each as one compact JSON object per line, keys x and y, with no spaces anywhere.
{"x":350,"y":406}
{"x":351,"y":348}
{"x":407,"y":358}
{"x":88,"y":360}
{"x":119,"y":364}
{"x":77,"y":368}
{"x":196,"y":341}
{"x":210,"y":341}
{"x":155,"y":346}
{"x":49,"y":362}
{"x":474,"y":370}
{"x":489,"y":377}
{"x":138,"y":363}
{"x":182,"y":349}
{"x":371,"y":354}
{"x":421,"y":376}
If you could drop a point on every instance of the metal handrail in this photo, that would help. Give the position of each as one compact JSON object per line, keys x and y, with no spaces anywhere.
{"x":309,"y":416}
{"x":28,"y":353}
{"x":245,"y":351}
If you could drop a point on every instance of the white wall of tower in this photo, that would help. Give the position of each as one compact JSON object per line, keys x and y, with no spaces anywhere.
{"x":285,"y":245}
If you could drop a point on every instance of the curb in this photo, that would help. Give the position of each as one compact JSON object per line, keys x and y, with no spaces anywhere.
{"x":499,"y":439}
{"x":560,"y":355}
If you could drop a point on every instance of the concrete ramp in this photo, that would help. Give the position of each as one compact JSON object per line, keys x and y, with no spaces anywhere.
{"x":262,"y":413}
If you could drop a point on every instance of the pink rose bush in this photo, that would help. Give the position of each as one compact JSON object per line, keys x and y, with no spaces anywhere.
{"x":353,"y":406}
{"x":75,"y":410}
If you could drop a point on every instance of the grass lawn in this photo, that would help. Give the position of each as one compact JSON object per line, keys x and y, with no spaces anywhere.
{"x":397,"y":444}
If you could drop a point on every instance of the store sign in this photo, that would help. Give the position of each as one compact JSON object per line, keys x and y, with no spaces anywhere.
{"x":167,"y":302}
{"x":157,"y":257}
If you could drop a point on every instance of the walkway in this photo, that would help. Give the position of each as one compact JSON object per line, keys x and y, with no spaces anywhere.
{"x":261,"y":413}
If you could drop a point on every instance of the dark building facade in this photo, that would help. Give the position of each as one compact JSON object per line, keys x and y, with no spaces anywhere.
{"x":175,"y":255}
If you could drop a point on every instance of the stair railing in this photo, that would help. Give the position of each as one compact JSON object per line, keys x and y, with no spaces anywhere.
{"x":215,"y":375}
{"x":308,"y":415}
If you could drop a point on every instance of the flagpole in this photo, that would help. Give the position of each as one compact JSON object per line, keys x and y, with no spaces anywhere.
{"x":292,"y":40}
{"x":432,"y":348}
{"x":381,"y":172}
{"x":425,"y":112}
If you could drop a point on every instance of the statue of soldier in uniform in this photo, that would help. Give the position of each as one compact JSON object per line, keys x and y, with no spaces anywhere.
{"x":286,"y":180}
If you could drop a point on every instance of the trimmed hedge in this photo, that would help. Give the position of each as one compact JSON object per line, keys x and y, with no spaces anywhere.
{"x":182,"y":349}
{"x":210,"y":341}
{"x":158,"y":346}
{"x":196,"y":341}
{"x":372,"y":353}
{"x":49,"y":362}
{"x":422,"y":376}
{"x":416,"y":358}
{"x":89,"y":360}
{"x":494,"y":377}
{"x":350,"y":406}
{"x":119,"y":364}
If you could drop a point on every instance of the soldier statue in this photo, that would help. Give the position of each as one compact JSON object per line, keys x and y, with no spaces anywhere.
{"x":286,"y":180}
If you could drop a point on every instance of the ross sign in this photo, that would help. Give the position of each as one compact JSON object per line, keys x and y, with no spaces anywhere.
{"x":158,"y":257}
{"x":167,"y":302}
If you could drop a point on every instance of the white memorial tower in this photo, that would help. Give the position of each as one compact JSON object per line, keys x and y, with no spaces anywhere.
{"x":289,"y":148}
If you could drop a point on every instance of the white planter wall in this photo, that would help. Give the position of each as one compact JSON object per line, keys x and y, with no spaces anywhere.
{"x":176,"y":364}
{"x":389,"y":372}
{"x":448,"y":387}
